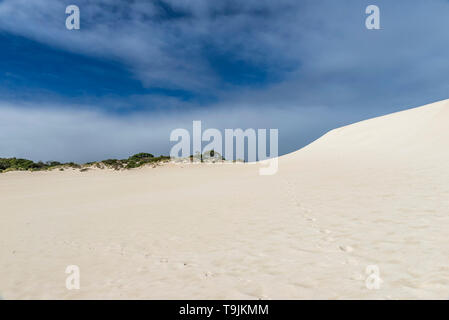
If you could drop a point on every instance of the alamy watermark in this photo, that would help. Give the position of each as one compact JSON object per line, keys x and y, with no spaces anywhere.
{"x":73,"y":280}
{"x":255,"y":146}
{"x":372,"y":22}
{"x":373,"y":279}
{"x":73,"y":20}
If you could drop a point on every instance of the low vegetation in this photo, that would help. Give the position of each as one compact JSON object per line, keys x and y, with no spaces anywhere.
{"x":135,"y":161}
{"x":207,"y":156}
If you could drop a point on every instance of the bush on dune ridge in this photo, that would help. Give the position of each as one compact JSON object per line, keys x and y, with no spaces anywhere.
{"x":134,"y":161}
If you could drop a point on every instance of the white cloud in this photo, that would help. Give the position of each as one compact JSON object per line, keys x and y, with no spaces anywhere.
{"x":74,"y":134}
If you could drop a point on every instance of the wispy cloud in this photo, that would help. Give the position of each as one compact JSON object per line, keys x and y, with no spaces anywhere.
{"x":165,"y":43}
{"x":308,"y":45}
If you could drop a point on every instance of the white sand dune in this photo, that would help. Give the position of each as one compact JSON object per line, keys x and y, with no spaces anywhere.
{"x":372,"y":193}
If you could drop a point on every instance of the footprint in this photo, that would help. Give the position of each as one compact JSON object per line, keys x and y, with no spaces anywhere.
{"x":346,"y":248}
{"x":351,"y":262}
{"x":357,"y":276}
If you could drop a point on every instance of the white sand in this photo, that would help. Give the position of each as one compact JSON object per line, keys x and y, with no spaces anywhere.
{"x":373,"y":193}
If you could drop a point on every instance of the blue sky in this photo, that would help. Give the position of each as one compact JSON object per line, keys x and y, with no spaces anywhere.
{"x":138,"y":69}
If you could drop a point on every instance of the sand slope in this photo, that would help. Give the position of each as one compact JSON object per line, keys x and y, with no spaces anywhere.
{"x":372,"y":193}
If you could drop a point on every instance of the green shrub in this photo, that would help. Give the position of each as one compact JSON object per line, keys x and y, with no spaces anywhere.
{"x":134,"y":161}
{"x":114,"y":164}
{"x":132,"y":164}
{"x":110,"y":162}
{"x":73,"y":165}
{"x":140,"y":156}
{"x":53,"y":163}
